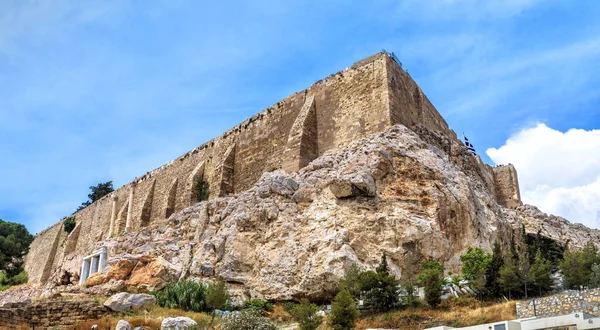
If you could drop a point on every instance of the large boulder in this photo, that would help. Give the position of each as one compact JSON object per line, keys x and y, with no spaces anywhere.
{"x":124,"y":302}
{"x":178,"y":323}
{"x":123,"y":325}
{"x":151,"y":274}
{"x":122,"y":269}
{"x":95,"y":279}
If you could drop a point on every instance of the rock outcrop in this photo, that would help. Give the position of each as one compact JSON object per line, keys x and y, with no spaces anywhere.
{"x":125,"y":302}
{"x":411,"y":196}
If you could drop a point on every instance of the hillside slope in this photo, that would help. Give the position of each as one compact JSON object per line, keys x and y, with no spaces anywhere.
{"x":292,"y":235}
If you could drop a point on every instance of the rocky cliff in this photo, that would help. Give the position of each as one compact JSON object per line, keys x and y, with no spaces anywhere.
{"x":291,"y":235}
{"x":411,"y":196}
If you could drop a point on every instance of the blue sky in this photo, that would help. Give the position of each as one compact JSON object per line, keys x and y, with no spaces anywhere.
{"x":92,"y":91}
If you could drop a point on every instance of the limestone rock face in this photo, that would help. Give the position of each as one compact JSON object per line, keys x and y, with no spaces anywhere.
{"x":124,"y":302}
{"x":178,"y":323}
{"x":292,"y":235}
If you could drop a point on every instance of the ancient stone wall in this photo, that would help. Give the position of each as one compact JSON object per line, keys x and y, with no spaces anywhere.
{"x":50,"y":313}
{"x":587,"y":301}
{"x":507,"y":186}
{"x":363,"y":99}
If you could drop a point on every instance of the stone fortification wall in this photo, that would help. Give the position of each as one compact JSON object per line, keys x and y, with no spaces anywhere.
{"x":587,"y":301}
{"x":50,"y":313}
{"x":507,"y":186}
{"x":365,"y":98}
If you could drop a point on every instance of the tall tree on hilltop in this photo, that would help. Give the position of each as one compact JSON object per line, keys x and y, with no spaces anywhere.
{"x":98,"y":191}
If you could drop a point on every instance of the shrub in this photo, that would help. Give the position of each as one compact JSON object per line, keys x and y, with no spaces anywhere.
{"x":187,"y":295}
{"x":305,"y":314}
{"x":216,"y":296}
{"x":69,"y":224}
{"x":343,"y":311}
{"x":20,"y":278}
{"x":249,"y":319}
{"x":6,"y":281}
{"x":258,"y":305}
{"x":201,"y":190}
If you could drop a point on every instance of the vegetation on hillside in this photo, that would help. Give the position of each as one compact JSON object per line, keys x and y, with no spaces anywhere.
{"x":98,"y":191}
{"x":14,"y":244}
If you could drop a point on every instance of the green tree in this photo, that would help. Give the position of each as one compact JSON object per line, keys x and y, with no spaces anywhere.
{"x":541,"y":270}
{"x":201,"y":190}
{"x":432,"y":279}
{"x":572,"y":269}
{"x":14,"y":244}
{"x":343,"y":312}
{"x":524,"y":269}
{"x":98,"y":191}
{"x":509,"y":280}
{"x":351,"y":281}
{"x":595,"y":276}
{"x":216,"y":296}
{"x":475,"y":263}
{"x":492,"y":273}
{"x":306,"y":315}
{"x":380,"y":287}
{"x":69,"y":224}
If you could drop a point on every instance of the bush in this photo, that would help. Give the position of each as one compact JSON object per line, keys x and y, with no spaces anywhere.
{"x":216,"y":296}
{"x":187,"y":295}
{"x":201,"y":190}
{"x":343,"y":312}
{"x":261,"y":306}
{"x":7,"y":281}
{"x":69,"y":224}
{"x":305,"y":314}
{"x":249,"y":319}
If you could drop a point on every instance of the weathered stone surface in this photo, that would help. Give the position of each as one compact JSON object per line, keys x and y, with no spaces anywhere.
{"x":122,"y":269}
{"x":587,"y":301}
{"x":151,"y":274}
{"x":124,"y":302}
{"x":96,"y":279}
{"x":365,"y":98}
{"x":408,"y":198}
{"x":178,"y":323}
{"x":123,"y":325}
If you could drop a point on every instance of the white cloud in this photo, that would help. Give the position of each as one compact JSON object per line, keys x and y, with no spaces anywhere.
{"x":558,"y":171}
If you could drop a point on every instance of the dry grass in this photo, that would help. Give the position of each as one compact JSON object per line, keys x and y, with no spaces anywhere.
{"x":463,"y":313}
{"x":151,"y":318}
{"x":280,"y":315}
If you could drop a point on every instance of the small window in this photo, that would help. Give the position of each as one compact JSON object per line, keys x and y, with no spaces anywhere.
{"x":500,"y":326}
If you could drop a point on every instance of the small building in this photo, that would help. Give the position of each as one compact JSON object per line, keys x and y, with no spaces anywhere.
{"x":573,"y":321}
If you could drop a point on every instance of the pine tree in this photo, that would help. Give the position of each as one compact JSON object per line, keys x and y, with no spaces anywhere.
{"x":351,"y":281}
{"x":343,"y":312}
{"x":524,"y":268}
{"x":595,"y":276}
{"x":306,"y":315}
{"x":492,"y":273}
{"x":432,"y":279}
{"x":572,"y":269}
{"x":508,"y":280}
{"x":541,"y":270}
